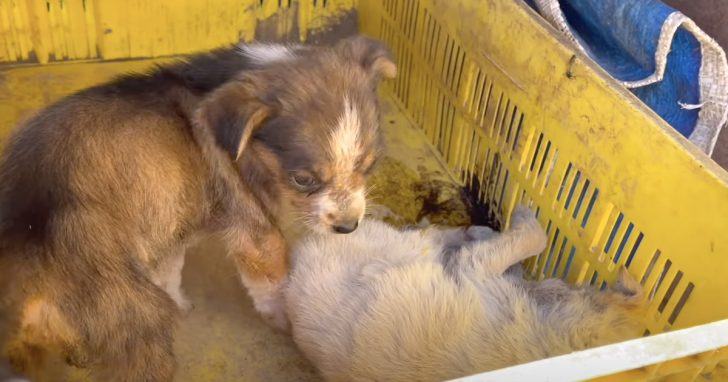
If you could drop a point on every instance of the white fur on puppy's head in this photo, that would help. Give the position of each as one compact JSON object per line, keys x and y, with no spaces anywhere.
{"x":316,"y":121}
{"x":262,"y":54}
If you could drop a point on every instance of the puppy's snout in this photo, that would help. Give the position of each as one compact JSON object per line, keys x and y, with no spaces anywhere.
{"x":340,"y":212}
{"x":346,"y":227}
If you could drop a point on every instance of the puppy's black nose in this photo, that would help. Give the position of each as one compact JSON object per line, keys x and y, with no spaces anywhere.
{"x":347,"y":227}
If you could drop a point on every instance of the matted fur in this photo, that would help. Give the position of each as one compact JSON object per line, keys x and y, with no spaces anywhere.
{"x":388,"y":305}
{"x":102,"y":191}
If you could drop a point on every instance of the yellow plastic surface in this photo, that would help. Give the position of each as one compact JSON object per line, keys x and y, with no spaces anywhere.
{"x":57,"y":30}
{"x":512,"y":110}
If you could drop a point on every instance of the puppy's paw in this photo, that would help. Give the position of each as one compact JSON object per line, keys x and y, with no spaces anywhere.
{"x":479,"y":233}
{"x":538,"y":238}
{"x":180,"y":299}
{"x":274,"y":314}
{"x":522,"y":216}
{"x":525,"y":224}
{"x":269,"y":301}
{"x":184,"y":305}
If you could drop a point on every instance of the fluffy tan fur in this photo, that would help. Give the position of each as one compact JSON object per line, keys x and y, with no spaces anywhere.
{"x":102,"y":191}
{"x":388,"y":305}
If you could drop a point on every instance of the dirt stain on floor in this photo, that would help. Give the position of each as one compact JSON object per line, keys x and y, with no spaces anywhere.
{"x":403,"y":196}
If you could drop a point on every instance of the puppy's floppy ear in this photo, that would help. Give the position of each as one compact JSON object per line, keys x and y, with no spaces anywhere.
{"x":371,"y":54}
{"x":232,"y":113}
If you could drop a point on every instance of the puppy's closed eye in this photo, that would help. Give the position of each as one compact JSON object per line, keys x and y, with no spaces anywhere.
{"x":305,"y":182}
{"x":370,"y":167}
{"x":366,"y":164}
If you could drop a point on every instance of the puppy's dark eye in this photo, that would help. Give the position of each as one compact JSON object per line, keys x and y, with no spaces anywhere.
{"x":368,"y":170}
{"x":304,"y":182}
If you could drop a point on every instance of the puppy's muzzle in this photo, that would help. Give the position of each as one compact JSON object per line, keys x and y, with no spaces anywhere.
{"x":346,"y":227}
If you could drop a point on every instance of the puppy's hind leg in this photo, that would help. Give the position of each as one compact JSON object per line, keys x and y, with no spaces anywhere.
{"x":42,"y":332}
{"x":133,"y":333}
{"x":626,"y":291}
{"x":492,"y":257}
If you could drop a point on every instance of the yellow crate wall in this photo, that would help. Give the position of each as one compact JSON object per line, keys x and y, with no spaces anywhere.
{"x":42,"y":31}
{"x":520,"y":119}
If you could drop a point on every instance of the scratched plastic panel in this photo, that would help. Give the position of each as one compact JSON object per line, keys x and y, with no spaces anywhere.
{"x":42,"y":31}
{"x":47,"y":30}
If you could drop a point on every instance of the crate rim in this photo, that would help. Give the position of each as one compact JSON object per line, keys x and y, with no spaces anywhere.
{"x":614,"y":358}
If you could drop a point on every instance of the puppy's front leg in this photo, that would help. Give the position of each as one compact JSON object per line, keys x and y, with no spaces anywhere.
{"x":525,"y":238}
{"x":262,"y":261}
{"x":168,"y":276}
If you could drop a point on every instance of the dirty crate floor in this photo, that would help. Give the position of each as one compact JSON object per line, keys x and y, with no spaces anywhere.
{"x":222,"y":339}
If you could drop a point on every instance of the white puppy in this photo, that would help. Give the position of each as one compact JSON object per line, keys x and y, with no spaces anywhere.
{"x":386,"y":305}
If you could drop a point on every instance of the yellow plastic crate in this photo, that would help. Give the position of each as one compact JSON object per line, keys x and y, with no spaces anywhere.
{"x":517,"y":116}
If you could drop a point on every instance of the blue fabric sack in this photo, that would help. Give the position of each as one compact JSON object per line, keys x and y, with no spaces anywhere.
{"x":656,"y":52}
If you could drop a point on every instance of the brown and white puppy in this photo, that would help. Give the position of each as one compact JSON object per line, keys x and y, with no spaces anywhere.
{"x":102,"y":191}
{"x":322,"y":137}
